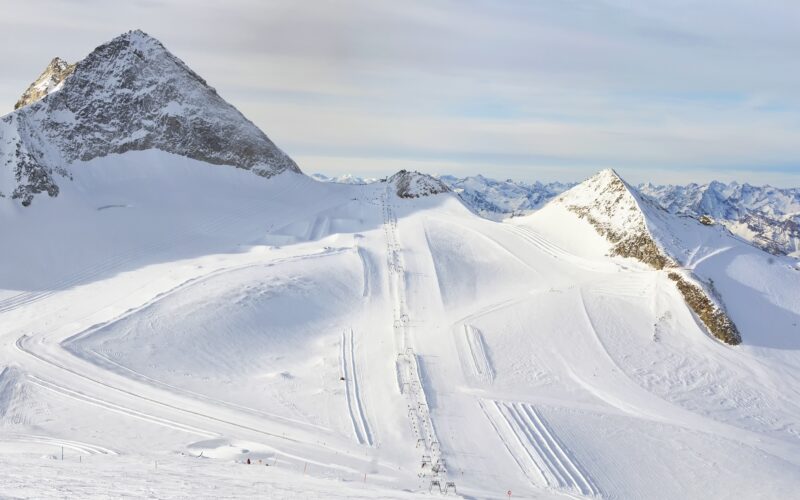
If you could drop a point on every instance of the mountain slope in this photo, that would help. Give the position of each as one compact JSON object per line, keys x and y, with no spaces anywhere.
{"x":128,"y":94}
{"x":640,"y":230}
{"x":348,"y":335}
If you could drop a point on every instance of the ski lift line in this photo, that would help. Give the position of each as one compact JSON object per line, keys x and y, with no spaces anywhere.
{"x":408,"y":372}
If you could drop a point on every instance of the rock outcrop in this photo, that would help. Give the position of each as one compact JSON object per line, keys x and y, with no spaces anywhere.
{"x":49,"y":81}
{"x":415,"y":184}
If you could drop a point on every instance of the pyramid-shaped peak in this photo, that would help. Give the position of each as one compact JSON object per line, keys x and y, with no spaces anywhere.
{"x":604,"y":188}
{"x":137,"y":40}
{"x":617,"y":212}
{"x":132,"y":49}
{"x":608,"y":177}
{"x":137,"y":34}
{"x":132,"y":94}
{"x":607,"y":173}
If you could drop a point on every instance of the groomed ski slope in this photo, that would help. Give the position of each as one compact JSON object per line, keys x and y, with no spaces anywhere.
{"x":165,"y":310}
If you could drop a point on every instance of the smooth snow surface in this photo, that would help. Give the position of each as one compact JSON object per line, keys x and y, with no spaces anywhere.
{"x":164,"y":310}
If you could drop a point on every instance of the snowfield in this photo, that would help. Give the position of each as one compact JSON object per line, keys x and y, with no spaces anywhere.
{"x":164,"y":320}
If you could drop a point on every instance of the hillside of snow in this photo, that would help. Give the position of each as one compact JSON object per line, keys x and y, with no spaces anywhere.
{"x":338,"y":331}
{"x":166,"y":318}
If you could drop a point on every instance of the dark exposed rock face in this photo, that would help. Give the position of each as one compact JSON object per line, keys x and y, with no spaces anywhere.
{"x":131,"y":94}
{"x":414,"y":184}
{"x":637,"y":245}
{"x":37,"y":178}
{"x":49,"y":81}
{"x":712,"y":315}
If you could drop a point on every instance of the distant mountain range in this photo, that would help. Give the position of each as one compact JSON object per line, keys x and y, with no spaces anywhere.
{"x":766,"y":216}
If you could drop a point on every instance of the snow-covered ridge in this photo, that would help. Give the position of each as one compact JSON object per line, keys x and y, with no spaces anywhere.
{"x":128,"y":94}
{"x":48,"y":82}
{"x":638,"y":228}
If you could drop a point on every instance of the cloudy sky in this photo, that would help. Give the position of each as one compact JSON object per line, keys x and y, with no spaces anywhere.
{"x":661,"y":90}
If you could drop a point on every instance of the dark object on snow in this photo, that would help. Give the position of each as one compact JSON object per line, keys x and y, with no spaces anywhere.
{"x":341,"y":378}
{"x":248,"y":461}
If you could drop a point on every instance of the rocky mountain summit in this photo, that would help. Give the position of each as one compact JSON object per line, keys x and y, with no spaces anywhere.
{"x":128,"y":94}
{"x":638,"y":228}
{"x":48,"y":82}
{"x":415,"y":184}
{"x":612,"y":207}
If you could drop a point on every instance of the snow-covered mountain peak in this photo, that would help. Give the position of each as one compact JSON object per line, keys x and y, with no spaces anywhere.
{"x":415,"y":184}
{"x":611,"y":205}
{"x":128,"y":94}
{"x":48,"y":82}
{"x":638,"y":228}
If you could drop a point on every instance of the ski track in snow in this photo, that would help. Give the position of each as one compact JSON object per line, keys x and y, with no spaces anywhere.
{"x":100,"y":402}
{"x":366,"y":270}
{"x":477,"y":350}
{"x":80,"y":447}
{"x":79,"y":396}
{"x":169,"y":423}
{"x":355,"y":406}
{"x":537,"y":447}
{"x":555,"y":251}
{"x":113,"y":365}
